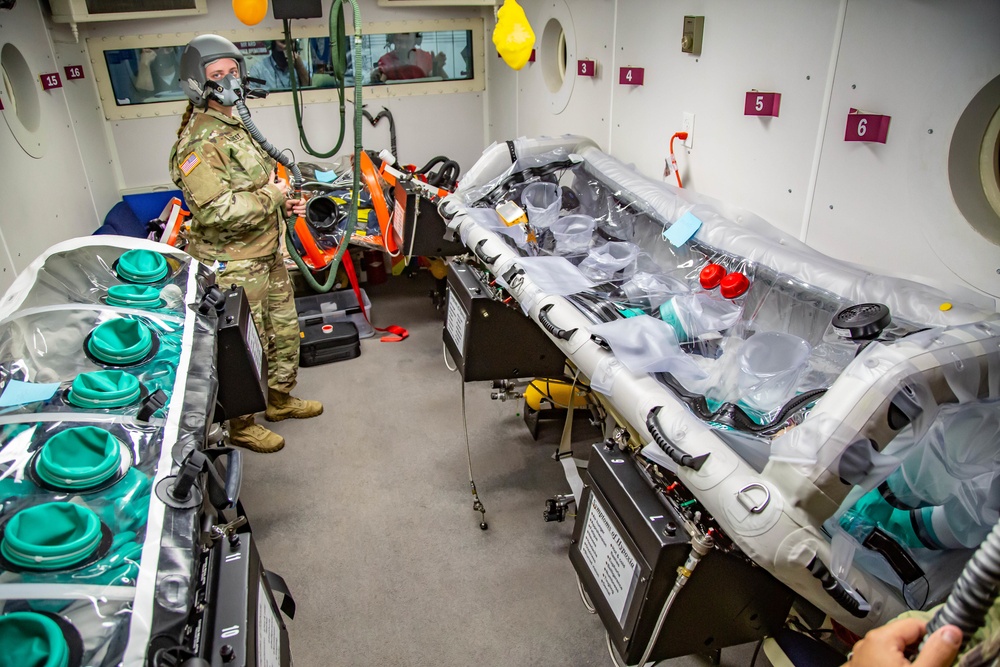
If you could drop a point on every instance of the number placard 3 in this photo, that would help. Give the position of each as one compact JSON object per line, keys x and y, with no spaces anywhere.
{"x":586,"y":68}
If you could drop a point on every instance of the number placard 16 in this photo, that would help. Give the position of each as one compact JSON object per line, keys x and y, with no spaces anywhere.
{"x":73,"y":72}
{"x":50,"y":81}
{"x":631,"y":76}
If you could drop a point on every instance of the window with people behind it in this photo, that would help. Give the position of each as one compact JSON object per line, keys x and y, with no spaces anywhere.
{"x":150,"y":75}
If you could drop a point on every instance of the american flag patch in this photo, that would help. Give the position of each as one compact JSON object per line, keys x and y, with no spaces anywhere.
{"x":190,"y":162}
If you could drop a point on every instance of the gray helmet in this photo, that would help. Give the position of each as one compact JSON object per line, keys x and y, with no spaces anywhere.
{"x":199,"y":52}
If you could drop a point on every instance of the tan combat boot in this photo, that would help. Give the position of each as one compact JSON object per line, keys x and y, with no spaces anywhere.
{"x":244,"y":432}
{"x":281,"y":405}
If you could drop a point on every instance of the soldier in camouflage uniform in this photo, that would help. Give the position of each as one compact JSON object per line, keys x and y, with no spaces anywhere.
{"x":237,"y":208}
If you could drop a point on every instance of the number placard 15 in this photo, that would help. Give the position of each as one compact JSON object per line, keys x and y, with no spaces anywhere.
{"x":73,"y":72}
{"x":50,"y":81}
{"x":631,"y":76}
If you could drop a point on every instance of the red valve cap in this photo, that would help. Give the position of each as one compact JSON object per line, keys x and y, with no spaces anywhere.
{"x":711,"y":276}
{"x":734,"y":285}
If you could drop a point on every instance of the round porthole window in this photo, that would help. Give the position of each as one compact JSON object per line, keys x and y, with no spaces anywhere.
{"x":24,"y":117}
{"x":557,"y":55}
{"x":974,"y":162}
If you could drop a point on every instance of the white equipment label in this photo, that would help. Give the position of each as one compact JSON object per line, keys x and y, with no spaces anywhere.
{"x":268,"y":631}
{"x":609,"y":560}
{"x":456,"y":321}
{"x":253,"y":344}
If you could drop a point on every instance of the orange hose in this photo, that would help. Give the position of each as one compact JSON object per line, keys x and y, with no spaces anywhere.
{"x":673,"y":161}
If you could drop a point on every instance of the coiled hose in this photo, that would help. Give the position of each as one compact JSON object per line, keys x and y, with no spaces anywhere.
{"x":336,"y":10}
{"x":974,"y":592}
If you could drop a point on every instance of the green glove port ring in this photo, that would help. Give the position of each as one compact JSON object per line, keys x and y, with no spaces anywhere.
{"x":104,"y":389}
{"x":52,"y":536}
{"x":30,"y":639}
{"x":133,"y":296}
{"x":79,"y":458}
{"x":119,"y":342}
{"x":141,"y":266}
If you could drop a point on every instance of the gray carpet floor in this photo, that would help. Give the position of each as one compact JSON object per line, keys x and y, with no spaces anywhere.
{"x":367,"y":513}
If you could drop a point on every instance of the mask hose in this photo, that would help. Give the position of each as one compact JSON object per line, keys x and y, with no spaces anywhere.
{"x":974,"y":592}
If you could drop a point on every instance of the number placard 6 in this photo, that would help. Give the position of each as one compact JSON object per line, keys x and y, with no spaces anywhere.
{"x":631,"y":76}
{"x":73,"y":72}
{"x":866,"y":127}
{"x":761,"y":104}
{"x":50,"y":81}
{"x":586,"y":68}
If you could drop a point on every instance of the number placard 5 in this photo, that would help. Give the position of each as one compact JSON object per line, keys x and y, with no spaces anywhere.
{"x":761,"y":104}
{"x":631,"y":76}
{"x":50,"y":81}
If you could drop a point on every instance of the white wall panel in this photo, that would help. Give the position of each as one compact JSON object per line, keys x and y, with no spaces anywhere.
{"x":921,"y":64}
{"x":46,"y":199}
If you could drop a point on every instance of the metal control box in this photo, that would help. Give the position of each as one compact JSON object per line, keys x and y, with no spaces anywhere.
{"x":242,"y":361}
{"x":493,"y":340}
{"x":627,"y":545}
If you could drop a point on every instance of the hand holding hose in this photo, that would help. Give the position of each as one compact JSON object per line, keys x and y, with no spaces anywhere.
{"x":887,"y":646}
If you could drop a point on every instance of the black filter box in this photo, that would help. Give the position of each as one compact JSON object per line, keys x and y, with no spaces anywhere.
{"x":297,"y":9}
{"x":325,"y":343}
{"x":241,"y":358}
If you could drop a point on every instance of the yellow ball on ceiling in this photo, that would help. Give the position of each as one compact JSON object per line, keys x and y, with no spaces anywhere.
{"x":250,"y":12}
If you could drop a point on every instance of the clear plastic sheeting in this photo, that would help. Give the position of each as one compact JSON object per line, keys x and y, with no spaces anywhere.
{"x":93,"y":391}
{"x":824,"y":381}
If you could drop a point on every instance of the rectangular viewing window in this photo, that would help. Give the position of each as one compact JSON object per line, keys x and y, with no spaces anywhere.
{"x":139,"y":76}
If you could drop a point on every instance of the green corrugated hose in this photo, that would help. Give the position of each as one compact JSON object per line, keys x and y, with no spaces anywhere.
{"x":339,"y":65}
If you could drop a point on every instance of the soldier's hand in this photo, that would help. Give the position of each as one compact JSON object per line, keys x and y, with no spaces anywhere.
{"x":887,"y":646}
{"x":281,"y":184}
{"x":295,"y":208}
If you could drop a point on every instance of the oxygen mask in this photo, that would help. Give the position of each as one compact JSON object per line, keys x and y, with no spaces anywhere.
{"x":227,"y":91}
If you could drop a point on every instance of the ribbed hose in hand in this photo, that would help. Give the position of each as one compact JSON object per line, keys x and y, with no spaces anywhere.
{"x":268,"y":147}
{"x":975,"y":592}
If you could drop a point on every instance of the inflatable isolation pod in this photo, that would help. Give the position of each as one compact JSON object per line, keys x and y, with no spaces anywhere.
{"x":28,"y":639}
{"x":120,"y":342}
{"x":53,"y":536}
{"x":79,"y":458}
{"x":141,"y":266}
{"x":104,"y":389}
{"x":134,"y":296}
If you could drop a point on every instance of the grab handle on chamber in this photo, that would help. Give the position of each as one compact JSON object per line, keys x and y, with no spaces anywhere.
{"x":679,"y":456}
{"x":548,"y":325}
{"x":485,"y":258}
{"x":836,"y":590}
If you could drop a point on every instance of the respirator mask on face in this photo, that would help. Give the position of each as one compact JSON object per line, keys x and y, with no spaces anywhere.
{"x":226,"y":91}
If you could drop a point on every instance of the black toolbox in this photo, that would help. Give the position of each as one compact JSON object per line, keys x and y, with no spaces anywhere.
{"x":323,"y":343}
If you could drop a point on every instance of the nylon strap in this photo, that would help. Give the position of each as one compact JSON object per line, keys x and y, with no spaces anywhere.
{"x":397,"y":333}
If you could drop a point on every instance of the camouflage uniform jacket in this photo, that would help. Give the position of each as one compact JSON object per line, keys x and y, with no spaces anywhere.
{"x":236,"y":211}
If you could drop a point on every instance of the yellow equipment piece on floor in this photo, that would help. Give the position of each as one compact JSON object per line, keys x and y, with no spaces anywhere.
{"x":554,"y":393}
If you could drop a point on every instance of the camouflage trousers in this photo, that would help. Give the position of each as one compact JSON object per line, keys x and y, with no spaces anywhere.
{"x":272,"y":302}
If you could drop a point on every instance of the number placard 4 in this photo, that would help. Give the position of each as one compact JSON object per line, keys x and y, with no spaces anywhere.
{"x":51,"y":80}
{"x":631,"y":76}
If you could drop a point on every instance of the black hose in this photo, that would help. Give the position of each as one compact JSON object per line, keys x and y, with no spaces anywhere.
{"x":835,"y":589}
{"x":268,"y":147}
{"x":974,"y":592}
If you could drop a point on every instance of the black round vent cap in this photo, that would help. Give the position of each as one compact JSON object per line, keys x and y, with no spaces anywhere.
{"x":863,"y":321}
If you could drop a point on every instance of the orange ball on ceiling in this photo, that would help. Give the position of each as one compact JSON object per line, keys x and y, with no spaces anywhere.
{"x":250,"y":12}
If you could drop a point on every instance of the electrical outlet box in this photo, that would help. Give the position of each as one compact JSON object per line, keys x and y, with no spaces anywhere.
{"x":688,"y":126}
{"x":694,"y":28}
